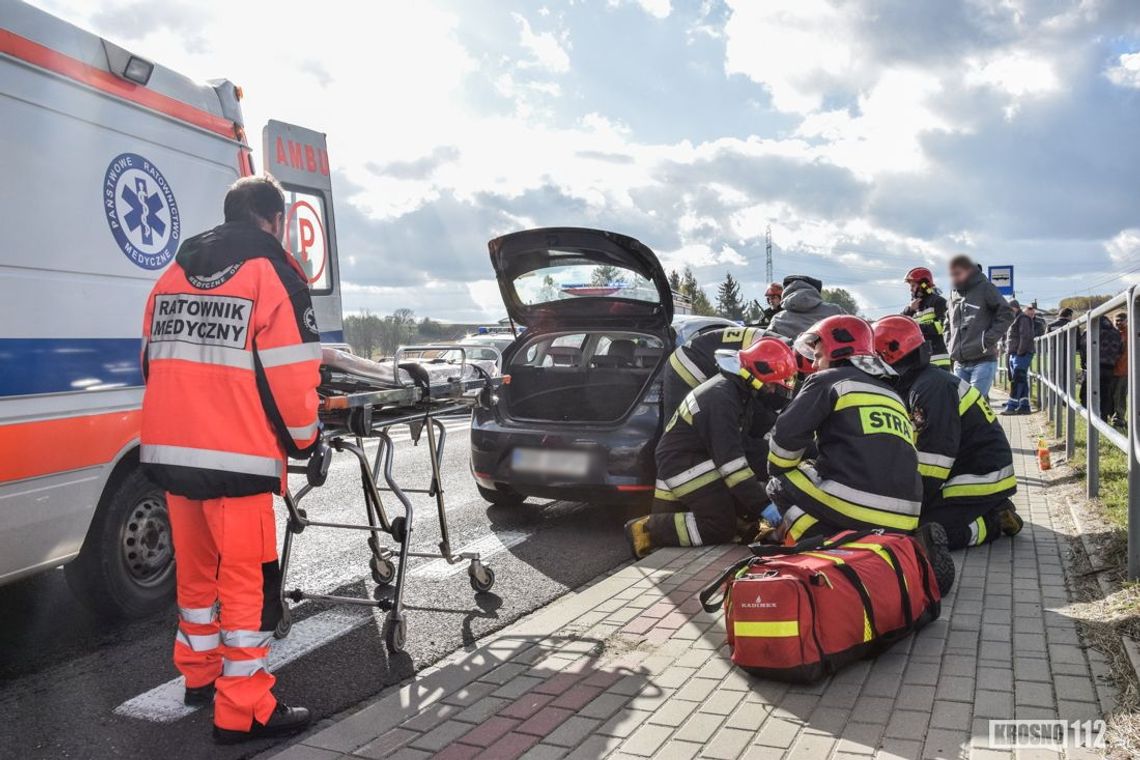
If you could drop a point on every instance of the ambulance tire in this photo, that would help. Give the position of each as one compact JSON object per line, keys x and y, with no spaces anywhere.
{"x":126,"y":566}
{"x":501,"y":498}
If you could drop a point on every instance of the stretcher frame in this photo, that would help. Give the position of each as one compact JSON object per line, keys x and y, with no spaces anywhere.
{"x":350,"y":418}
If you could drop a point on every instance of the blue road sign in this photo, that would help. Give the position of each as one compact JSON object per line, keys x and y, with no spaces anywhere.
{"x":1002,"y":278}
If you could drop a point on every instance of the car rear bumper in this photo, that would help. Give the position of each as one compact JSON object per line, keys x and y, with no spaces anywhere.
{"x":621,"y":464}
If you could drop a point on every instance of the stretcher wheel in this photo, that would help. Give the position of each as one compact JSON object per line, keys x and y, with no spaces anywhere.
{"x":383,"y":571}
{"x":396,"y":634}
{"x":399,"y":529}
{"x":284,"y":624}
{"x":482,"y":577}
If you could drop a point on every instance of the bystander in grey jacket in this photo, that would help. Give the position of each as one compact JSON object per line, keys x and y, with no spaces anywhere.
{"x":979,"y":317}
{"x":801,"y":307}
{"x":1021,"y":334}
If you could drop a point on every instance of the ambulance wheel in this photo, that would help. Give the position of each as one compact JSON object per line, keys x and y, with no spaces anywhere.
{"x":126,"y":565}
{"x":500,"y":498}
{"x":482,"y":578}
{"x":396,"y":634}
{"x":383,"y":571}
{"x":285,"y":624}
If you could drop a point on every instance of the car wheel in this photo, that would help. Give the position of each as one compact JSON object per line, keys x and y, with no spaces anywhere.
{"x":501,"y":498}
{"x":126,"y":565}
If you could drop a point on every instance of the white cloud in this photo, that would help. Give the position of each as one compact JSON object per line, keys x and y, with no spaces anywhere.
{"x":1127,"y":71}
{"x":657,"y":8}
{"x":1017,"y":74}
{"x":546,"y":50}
{"x":1125,"y":246}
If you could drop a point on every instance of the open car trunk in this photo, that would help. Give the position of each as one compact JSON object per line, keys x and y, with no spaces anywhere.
{"x":581,"y":377}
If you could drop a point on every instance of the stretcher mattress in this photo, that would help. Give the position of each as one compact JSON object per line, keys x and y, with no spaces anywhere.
{"x":388,"y":375}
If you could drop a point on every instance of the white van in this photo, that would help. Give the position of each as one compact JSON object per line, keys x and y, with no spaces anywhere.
{"x":110,"y":161}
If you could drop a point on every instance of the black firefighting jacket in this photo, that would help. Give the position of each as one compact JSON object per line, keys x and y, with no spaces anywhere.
{"x":703,"y":444}
{"x":963,"y":454}
{"x":931,"y":317}
{"x":866,"y":468}
{"x":695,"y":361}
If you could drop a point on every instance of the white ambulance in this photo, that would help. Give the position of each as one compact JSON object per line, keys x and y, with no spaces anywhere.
{"x":110,"y":161}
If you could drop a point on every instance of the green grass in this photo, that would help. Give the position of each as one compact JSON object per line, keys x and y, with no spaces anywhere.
{"x":1113,"y":475}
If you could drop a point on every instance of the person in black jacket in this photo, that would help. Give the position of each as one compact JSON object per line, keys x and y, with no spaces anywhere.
{"x":928,"y":308}
{"x":695,"y":361}
{"x":865,"y":471}
{"x":1019,"y":344}
{"x":1063,"y":318}
{"x":963,"y":454}
{"x":1111,"y":347}
{"x":705,"y":486}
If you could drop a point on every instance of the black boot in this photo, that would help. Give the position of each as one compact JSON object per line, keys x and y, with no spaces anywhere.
{"x":283,"y":721}
{"x":199,"y":696}
{"x":932,"y":537}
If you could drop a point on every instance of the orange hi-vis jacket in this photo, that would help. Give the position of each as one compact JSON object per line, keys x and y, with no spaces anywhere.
{"x":231,"y":357}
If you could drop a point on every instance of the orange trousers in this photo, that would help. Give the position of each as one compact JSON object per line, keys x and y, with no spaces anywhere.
{"x":228,"y":604}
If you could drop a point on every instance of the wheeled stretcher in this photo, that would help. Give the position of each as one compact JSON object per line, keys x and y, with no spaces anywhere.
{"x":363,"y":399}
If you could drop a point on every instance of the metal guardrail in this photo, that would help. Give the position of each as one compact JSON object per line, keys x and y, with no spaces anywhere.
{"x":1055,"y":390}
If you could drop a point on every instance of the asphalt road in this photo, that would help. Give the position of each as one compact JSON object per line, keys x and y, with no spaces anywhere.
{"x":75,"y":686}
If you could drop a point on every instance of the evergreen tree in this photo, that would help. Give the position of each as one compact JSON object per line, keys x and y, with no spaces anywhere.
{"x":675,"y":281}
{"x":841,"y":298}
{"x":728,"y":303}
{"x":696,"y":295}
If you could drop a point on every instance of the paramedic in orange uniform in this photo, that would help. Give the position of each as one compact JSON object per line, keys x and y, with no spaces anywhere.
{"x":231,"y":356}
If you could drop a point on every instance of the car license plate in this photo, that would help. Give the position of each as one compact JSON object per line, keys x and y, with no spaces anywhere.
{"x":551,"y":462}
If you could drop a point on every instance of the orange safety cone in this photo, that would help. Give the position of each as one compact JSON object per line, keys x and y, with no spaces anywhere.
{"x":1043,"y":459}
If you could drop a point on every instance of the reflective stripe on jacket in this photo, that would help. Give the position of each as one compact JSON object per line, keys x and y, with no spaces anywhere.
{"x":931,"y":317}
{"x":231,"y":357}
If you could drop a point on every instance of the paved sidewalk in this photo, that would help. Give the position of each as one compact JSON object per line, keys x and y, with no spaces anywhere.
{"x":631,"y":667}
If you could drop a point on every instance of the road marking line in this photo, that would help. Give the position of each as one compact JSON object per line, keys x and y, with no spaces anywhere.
{"x":486,"y":547}
{"x":163,"y":704}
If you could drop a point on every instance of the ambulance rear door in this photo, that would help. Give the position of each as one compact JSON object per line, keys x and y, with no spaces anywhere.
{"x":299,"y":159}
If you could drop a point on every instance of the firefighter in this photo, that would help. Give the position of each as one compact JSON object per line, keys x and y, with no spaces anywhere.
{"x":695,"y":361}
{"x":231,"y":360}
{"x":928,"y":308}
{"x":865,"y":472}
{"x":773,"y":295}
{"x":705,"y":484}
{"x":963,"y":455}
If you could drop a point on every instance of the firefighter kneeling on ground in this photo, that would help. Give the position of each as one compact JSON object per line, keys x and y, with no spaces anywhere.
{"x":231,"y":360}
{"x":963,"y":454}
{"x":706,"y":491}
{"x":865,"y":471}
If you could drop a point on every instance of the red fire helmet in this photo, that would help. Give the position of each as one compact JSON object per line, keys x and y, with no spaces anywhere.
{"x":896,"y":336}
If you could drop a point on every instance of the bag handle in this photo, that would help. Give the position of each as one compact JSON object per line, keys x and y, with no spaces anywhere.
{"x":705,"y":595}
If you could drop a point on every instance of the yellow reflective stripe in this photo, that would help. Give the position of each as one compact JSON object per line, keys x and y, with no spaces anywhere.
{"x":941,"y":362}
{"x":868,"y":515}
{"x":933,"y":471}
{"x":739,"y":477}
{"x":750,"y":336}
{"x":821,"y":555}
{"x":766,"y":628}
{"x":664,"y":495}
{"x":800,"y":526}
{"x":698,"y":482}
{"x":980,"y":489}
{"x":867,"y":633}
{"x":872,"y":547}
{"x":682,"y":531}
{"x":849,"y":400}
{"x":968,"y":400}
{"x":678,"y":365}
{"x":780,"y":461}
{"x":981,"y":523}
{"x":686,"y":415}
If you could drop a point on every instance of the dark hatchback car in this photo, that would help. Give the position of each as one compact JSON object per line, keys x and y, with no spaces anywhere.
{"x":579,"y":413}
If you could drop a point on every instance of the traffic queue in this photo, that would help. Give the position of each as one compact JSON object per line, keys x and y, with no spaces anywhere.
{"x":813,"y":422}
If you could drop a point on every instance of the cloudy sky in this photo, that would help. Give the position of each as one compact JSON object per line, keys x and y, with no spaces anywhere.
{"x":872,"y":135}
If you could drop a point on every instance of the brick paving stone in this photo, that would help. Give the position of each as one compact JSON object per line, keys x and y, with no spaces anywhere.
{"x":509,"y":747}
{"x":942,"y":743}
{"x":955,"y":688}
{"x":951,"y":715}
{"x":907,"y":724}
{"x":778,"y":732}
{"x":545,"y":721}
{"x":577,"y":697}
{"x":544,"y":752}
{"x":763,"y":753}
{"x":646,"y":740}
{"x":673,"y":712}
{"x":697,"y":690}
{"x":483,"y":709}
{"x":678,"y":750}
{"x":603,"y":706}
{"x":388,"y":742}
{"x":993,"y":704}
{"x":860,"y":738}
{"x":811,"y":747}
{"x":624,"y":723}
{"x":899,"y":749}
{"x":469,"y":694}
{"x":457,"y":752}
{"x":558,"y":683}
{"x":727,"y":744}
{"x":407,"y":753}
{"x":573,"y":732}
{"x":526,"y":706}
{"x":699,"y":728}
{"x":441,"y":736}
{"x":490,"y":731}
